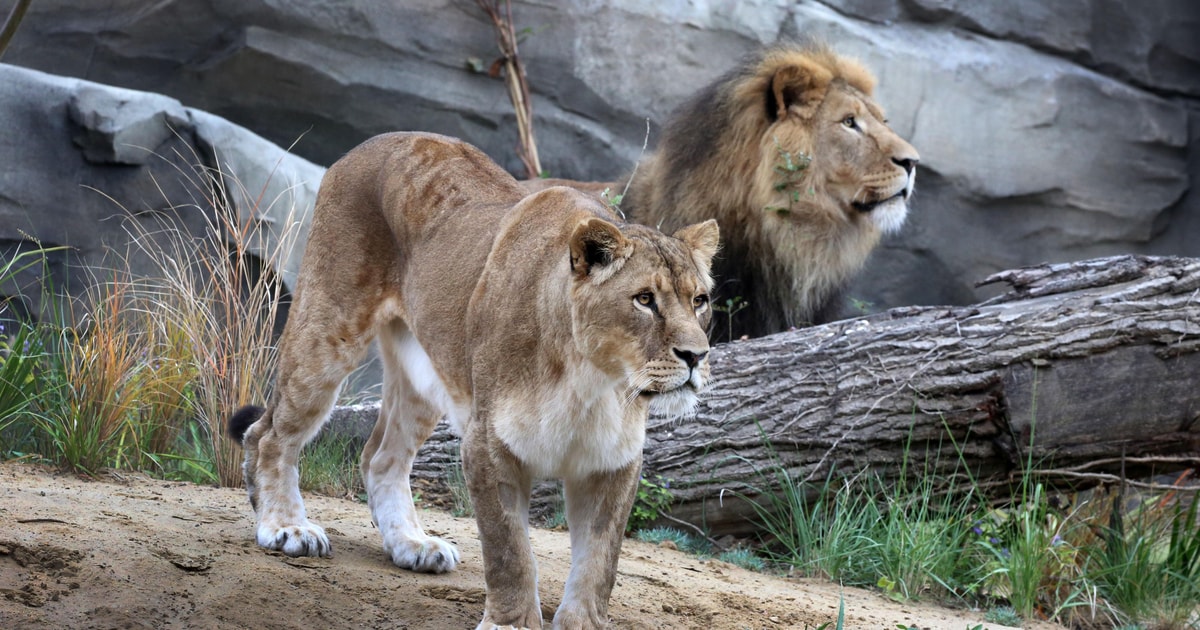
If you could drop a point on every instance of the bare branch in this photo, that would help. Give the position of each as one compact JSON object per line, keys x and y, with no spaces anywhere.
{"x":11,"y":23}
{"x":514,"y":78}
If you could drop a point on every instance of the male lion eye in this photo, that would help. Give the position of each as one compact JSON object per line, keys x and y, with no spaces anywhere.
{"x":645,"y":299}
{"x":849,"y":122}
{"x":699,"y":301}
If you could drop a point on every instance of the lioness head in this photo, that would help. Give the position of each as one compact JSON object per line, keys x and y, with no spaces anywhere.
{"x":640,"y":307}
{"x":827,"y":141}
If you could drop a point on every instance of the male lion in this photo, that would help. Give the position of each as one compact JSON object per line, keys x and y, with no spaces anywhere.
{"x":795,"y":161}
{"x":540,"y":326}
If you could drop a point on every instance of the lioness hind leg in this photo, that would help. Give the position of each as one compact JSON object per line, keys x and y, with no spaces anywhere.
{"x":312,"y":366}
{"x":406,"y":420}
{"x":597,"y":510}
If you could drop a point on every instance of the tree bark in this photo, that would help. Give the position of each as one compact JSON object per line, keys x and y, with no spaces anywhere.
{"x":1080,"y":370}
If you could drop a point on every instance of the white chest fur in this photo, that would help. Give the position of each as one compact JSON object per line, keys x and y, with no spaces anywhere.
{"x":572,"y":428}
{"x":577,"y":426}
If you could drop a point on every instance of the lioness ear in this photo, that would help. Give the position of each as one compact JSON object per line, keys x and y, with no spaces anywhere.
{"x":703,"y":239}
{"x":800,"y":88}
{"x":598,"y":249}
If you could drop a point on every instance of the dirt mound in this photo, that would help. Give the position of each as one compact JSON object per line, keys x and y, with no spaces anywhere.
{"x":134,"y":552}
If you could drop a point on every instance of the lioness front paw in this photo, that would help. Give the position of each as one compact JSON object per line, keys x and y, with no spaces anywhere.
{"x":424,"y":555}
{"x":307,"y":539}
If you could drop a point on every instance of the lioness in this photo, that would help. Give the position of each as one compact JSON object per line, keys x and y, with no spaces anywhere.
{"x":796,"y":162}
{"x":541,"y":327}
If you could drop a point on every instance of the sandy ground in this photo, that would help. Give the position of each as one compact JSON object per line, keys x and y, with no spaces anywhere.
{"x":133,"y":552}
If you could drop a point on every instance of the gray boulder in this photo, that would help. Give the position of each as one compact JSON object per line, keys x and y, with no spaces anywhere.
{"x":92,"y":167}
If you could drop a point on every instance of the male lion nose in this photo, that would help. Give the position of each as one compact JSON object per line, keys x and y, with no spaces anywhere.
{"x":908,"y":164}
{"x":692,"y":359}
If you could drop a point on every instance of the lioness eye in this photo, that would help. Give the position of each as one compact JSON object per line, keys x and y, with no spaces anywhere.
{"x":699,"y":301}
{"x":645,"y":298}
{"x":849,"y":122}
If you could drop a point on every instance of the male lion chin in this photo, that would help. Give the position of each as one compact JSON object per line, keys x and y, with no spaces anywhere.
{"x":889,"y":215}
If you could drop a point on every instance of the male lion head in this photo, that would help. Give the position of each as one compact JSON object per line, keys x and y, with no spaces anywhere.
{"x":795,"y":160}
{"x":640,"y":309}
{"x":825,"y":146}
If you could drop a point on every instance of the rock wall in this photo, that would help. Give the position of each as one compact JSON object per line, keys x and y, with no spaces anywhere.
{"x":1048,"y":131}
{"x":94,"y":167}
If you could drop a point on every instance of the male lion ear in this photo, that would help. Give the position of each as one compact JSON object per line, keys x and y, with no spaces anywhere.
{"x":800,"y":88}
{"x":703,"y":239}
{"x":598,"y":249}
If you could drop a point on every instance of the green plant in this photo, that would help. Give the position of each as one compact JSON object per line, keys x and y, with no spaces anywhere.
{"x":924,"y":535}
{"x":1003,"y":615}
{"x":557,"y":519}
{"x":22,"y":350}
{"x":191,"y":459}
{"x":20,"y":355}
{"x":123,"y":375}
{"x":744,"y":558}
{"x":659,"y":535}
{"x":1147,"y":566}
{"x":329,"y":465}
{"x":678,"y":539}
{"x":1034,"y":563}
{"x":613,"y":200}
{"x":808,"y":533}
{"x":652,"y":499}
{"x":862,"y":307}
{"x":460,"y":496}
{"x":790,"y":169}
{"x":841,"y":617}
{"x":732,"y":306}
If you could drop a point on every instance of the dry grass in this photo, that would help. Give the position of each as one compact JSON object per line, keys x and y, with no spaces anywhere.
{"x":215,"y":304}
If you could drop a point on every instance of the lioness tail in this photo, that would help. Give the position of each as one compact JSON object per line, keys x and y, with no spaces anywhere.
{"x":242,"y":419}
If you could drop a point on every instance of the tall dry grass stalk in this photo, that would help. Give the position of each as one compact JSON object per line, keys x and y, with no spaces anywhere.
{"x":98,"y":383}
{"x":215,"y":304}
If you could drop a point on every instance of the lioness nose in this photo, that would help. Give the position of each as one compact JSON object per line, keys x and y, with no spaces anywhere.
{"x":692,"y":359}
{"x":906,"y":163}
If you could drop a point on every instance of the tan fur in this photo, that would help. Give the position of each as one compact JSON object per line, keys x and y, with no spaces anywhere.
{"x":792,"y":240}
{"x":542,"y":327}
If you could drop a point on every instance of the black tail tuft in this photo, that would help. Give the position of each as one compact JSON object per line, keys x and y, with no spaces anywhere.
{"x":241,"y":420}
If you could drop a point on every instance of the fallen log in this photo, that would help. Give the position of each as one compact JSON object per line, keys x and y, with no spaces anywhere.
{"x":1084,"y":369}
